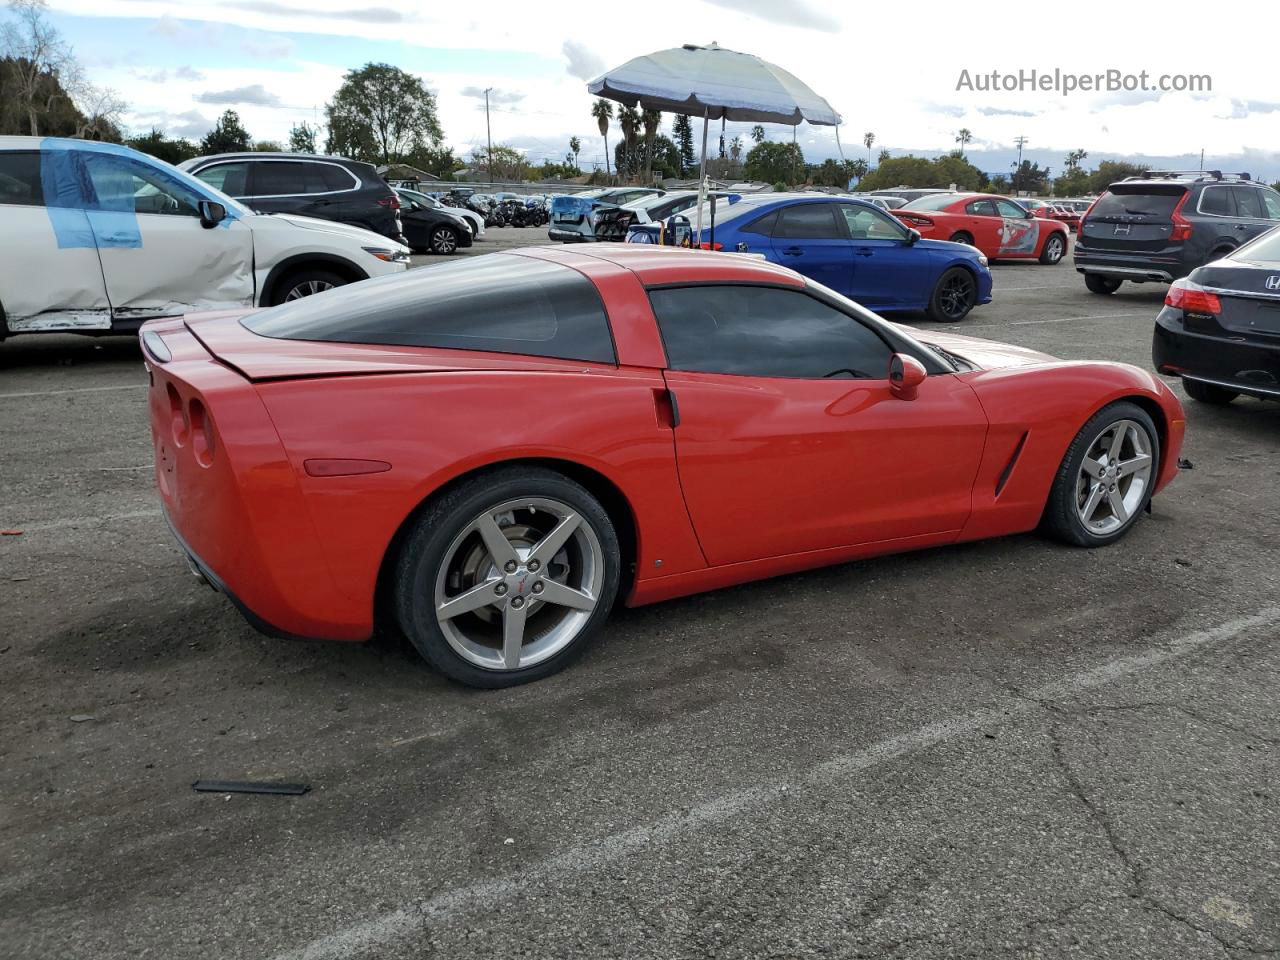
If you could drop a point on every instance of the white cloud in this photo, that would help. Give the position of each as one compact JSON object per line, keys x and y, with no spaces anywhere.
{"x":255,"y":94}
{"x":583,"y":64}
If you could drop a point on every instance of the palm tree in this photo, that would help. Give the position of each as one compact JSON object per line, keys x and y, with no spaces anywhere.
{"x":574,"y":146}
{"x":757,"y":133}
{"x":963,"y":138}
{"x":629,"y":121}
{"x":735,"y":150}
{"x":1074,"y":157}
{"x":867,"y":140}
{"x":602,"y":110}
{"x":652,"y":119}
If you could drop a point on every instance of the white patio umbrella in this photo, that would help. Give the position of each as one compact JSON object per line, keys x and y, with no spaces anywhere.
{"x":714,"y":83}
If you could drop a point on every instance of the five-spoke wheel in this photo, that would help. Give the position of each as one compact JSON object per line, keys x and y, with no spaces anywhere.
{"x":1106,"y":478}
{"x":505,"y":579}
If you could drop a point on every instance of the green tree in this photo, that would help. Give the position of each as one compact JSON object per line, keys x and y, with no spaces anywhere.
{"x":302,"y":138}
{"x":1073,"y":183}
{"x":439,"y":161}
{"x":602,"y":110}
{"x":268,"y":146}
{"x":508,"y":163}
{"x":999,"y":184}
{"x":227,"y":136}
{"x":629,"y":121}
{"x":836,"y":173}
{"x":574,"y":146}
{"x":913,"y":171}
{"x":683,"y":131}
{"x":1072,"y":159}
{"x":382,"y":114}
{"x":958,"y":170}
{"x":163,"y":148}
{"x":964,"y":137}
{"x":868,"y":139}
{"x":757,"y":133}
{"x":651,"y":119}
{"x":774,"y":162}
{"x":1030,"y":177}
{"x":1109,"y":171}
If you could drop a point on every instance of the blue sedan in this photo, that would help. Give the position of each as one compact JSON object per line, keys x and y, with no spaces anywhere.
{"x":857,"y":249}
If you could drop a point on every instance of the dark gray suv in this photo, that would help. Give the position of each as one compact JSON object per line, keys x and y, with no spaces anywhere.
{"x":1161,"y":226}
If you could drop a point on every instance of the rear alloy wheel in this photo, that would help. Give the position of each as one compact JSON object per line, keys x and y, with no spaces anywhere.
{"x":1096,"y":283}
{"x":962,"y":237}
{"x":1054,"y":248}
{"x":953,"y":297}
{"x":1208,"y":392}
{"x":507,"y":578}
{"x":443,"y":240}
{"x":306,"y":283}
{"x":1106,"y":478}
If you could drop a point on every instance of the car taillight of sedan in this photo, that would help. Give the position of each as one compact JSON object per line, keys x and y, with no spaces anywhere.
{"x":915,"y":219}
{"x":1190,"y":297}
{"x":391,"y":201}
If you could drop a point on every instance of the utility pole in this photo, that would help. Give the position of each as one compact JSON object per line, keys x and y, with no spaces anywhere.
{"x":1202,"y":159}
{"x":488,"y":133}
{"x":1020,"y":141}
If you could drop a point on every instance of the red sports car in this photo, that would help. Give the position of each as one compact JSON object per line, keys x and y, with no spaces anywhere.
{"x":487,"y":453}
{"x":997,"y":226}
{"x":1051,"y":210}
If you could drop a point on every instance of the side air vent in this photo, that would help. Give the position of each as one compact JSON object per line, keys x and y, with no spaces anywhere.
{"x":1008,"y":467}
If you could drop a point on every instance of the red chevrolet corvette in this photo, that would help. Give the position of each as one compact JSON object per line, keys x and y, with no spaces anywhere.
{"x":997,"y":226}
{"x":487,"y":453}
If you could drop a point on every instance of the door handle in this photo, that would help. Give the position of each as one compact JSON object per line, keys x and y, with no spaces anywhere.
{"x":1242,"y":226}
{"x":668,"y":408}
{"x":864,"y":252}
{"x":793,"y":252}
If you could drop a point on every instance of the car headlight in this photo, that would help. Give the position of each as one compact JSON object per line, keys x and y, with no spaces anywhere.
{"x":982,"y":259}
{"x":390,"y":256}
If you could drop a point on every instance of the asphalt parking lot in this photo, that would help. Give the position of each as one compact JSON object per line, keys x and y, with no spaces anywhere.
{"x":1010,"y":748}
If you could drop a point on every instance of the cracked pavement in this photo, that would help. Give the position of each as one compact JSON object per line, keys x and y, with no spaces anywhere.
{"x":1005,"y":749}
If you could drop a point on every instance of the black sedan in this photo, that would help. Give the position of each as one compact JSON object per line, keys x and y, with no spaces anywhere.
{"x":432,"y":229}
{"x":1220,"y":326}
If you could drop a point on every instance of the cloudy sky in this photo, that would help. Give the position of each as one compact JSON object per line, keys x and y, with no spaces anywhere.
{"x":276,"y":62}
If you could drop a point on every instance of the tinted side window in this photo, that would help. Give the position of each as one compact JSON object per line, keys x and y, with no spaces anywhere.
{"x":1216,"y":201}
{"x":333,"y":177}
{"x":981,"y":208}
{"x":275,"y":178}
{"x":1248,"y":203}
{"x":1271,"y":203}
{"x":231,"y":178}
{"x":20,"y":179}
{"x":498,"y":302}
{"x":763,"y":226}
{"x":764,"y":332}
{"x":811,"y":221}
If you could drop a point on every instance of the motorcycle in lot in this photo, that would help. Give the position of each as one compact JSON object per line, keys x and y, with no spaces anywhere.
{"x":516,"y":213}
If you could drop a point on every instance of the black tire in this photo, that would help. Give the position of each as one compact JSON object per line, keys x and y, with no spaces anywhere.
{"x":1209,"y":393}
{"x":953,"y":296}
{"x":1096,"y":283}
{"x":427,"y":546}
{"x":1054,"y":249}
{"x":312,"y":279}
{"x":443,"y":240}
{"x":1061,"y":517}
{"x":961,"y":236}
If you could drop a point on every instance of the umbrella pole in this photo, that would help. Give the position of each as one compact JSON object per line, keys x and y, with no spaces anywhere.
{"x":702,"y":176}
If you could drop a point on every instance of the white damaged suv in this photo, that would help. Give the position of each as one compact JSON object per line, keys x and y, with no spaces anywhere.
{"x":98,"y":238}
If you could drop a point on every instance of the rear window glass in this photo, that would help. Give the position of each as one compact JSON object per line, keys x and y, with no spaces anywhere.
{"x":1266,"y":249}
{"x":1138,"y":202}
{"x":939,"y":201}
{"x":498,"y":302}
{"x":20,"y":179}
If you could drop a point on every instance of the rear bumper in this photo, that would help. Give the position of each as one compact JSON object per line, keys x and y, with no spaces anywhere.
{"x":1123,"y":266}
{"x":1250,"y":368}
{"x":569,"y":233}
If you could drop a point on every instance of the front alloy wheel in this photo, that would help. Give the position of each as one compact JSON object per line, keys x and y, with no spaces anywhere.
{"x":953,"y":297}
{"x":1054,"y":248}
{"x":1106,"y":478}
{"x":443,"y":241}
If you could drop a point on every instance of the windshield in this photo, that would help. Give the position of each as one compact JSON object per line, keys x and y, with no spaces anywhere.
{"x":937,"y":201}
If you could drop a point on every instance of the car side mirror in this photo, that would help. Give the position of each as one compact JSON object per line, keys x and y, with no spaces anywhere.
{"x":906,"y":373}
{"x":212,"y":213}
{"x":912,"y":236}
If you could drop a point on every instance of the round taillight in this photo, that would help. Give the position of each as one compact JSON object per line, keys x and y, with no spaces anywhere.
{"x":177,"y":417}
{"x":202,"y":440}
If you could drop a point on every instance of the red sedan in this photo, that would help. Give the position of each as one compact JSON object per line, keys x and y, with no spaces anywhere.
{"x":1050,"y":210}
{"x":995,"y":225}
{"x":487,"y":453}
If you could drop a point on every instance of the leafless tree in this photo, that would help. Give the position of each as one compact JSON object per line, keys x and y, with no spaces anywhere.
{"x":39,"y":55}
{"x":101,"y":108}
